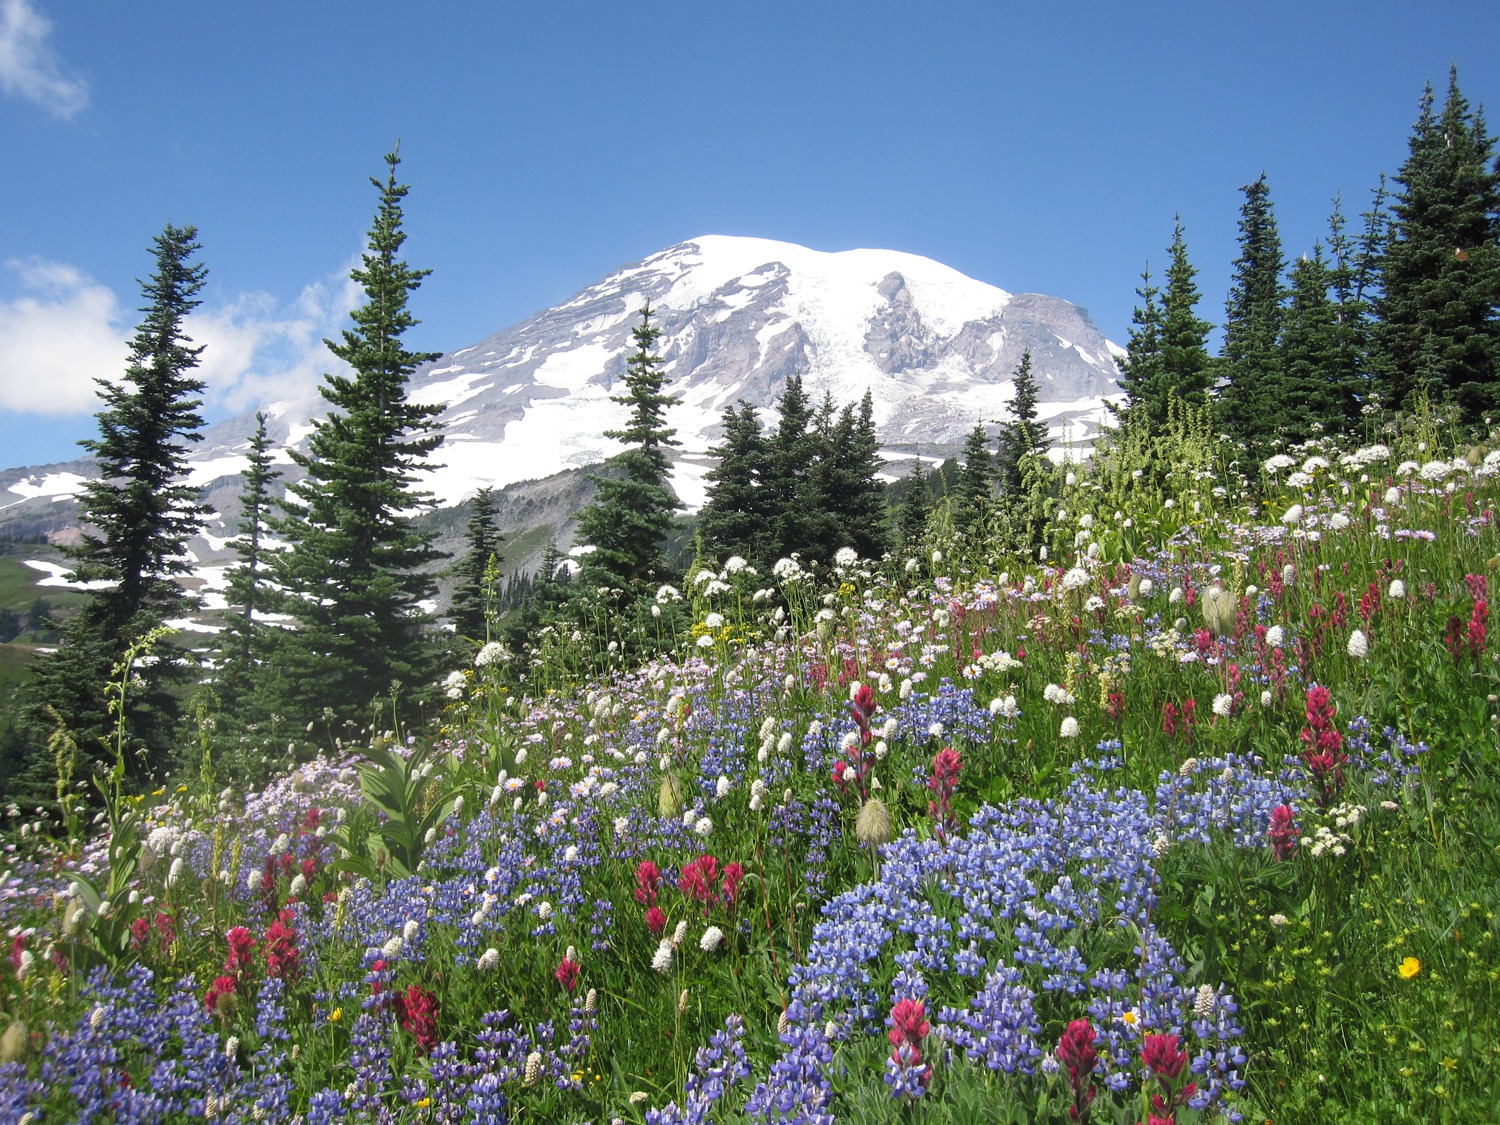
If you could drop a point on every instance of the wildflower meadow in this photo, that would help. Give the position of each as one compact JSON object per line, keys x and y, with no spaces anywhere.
{"x":1193,"y":815}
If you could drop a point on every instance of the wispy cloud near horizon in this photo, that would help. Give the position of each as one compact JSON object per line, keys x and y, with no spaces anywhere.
{"x":62,"y":330}
{"x":30,"y":69}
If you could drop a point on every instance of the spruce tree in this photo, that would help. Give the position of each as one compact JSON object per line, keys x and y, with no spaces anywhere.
{"x":138,"y":516}
{"x":245,"y":642}
{"x":1437,"y":332}
{"x":916,"y":506}
{"x":1186,"y":371}
{"x":358,"y":568}
{"x":1022,"y":436}
{"x":477,"y":593}
{"x":735,"y":520}
{"x":845,"y":500}
{"x":792,"y":453}
{"x":628,"y":522}
{"x":1308,"y":397}
{"x":1141,"y":366}
{"x":1250,"y":405}
{"x":974,"y":498}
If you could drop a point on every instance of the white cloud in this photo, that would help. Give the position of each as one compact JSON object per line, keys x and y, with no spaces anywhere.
{"x":29,"y":68}
{"x":60,"y":335}
{"x":257,"y":351}
{"x":65,"y":329}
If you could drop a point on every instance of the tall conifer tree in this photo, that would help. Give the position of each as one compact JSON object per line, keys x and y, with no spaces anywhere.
{"x":1250,"y":404}
{"x":916,"y":506}
{"x":1141,"y":366}
{"x":974,"y":498}
{"x":477,"y":592}
{"x":138,"y":516}
{"x":1437,"y":331}
{"x":249,"y":590}
{"x":628,"y":522}
{"x":1186,"y":370}
{"x":358,"y":569}
{"x":1022,"y":436}
{"x":735,"y":519}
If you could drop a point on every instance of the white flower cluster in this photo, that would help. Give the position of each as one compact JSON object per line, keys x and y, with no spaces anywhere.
{"x":453,"y":685}
{"x":491,"y":654}
{"x":1075,"y":579}
{"x":1005,"y":707}
{"x":998,"y":661}
{"x":1058,"y":695}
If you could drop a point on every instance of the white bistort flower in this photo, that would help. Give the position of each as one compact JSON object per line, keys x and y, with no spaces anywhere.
{"x":1292,"y":516}
{"x":1223,"y":705}
{"x":662,"y":960}
{"x":1069,"y":728}
{"x":1359,"y":644}
{"x":712,"y":938}
{"x":846,"y":556}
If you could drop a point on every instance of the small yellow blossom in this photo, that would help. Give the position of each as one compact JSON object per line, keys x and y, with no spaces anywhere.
{"x":1409,"y":968}
{"x":336,"y":1015}
{"x":423,"y":1103}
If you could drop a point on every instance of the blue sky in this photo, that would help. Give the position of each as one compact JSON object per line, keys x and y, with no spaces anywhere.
{"x":1038,"y":147}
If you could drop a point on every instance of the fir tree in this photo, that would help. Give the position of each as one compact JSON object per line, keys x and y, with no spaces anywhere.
{"x":358,"y":569}
{"x":916,"y":506}
{"x":1141,"y":367}
{"x":477,"y":593}
{"x":1251,"y":406}
{"x":845,"y":504}
{"x":628,"y":522}
{"x":1186,"y":371}
{"x":1022,"y":436}
{"x":974,"y":498}
{"x":735,"y":520}
{"x":1311,"y":393}
{"x":1437,"y":332}
{"x":792,"y":452}
{"x":249,"y":591}
{"x":138,"y":517}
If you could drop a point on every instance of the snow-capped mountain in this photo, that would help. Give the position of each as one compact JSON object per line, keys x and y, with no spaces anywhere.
{"x":935,"y":349}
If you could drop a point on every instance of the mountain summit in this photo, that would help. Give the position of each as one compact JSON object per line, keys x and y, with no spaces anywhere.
{"x":935,"y":349}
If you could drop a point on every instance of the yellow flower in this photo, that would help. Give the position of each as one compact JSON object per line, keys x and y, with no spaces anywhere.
{"x":336,"y":1015}
{"x":1131,"y":1017}
{"x":423,"y":1103}
{"x":1409,"y":968}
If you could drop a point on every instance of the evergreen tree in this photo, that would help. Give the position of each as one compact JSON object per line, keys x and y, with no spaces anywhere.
{"x":1022,"y":436}
{"x":916,"y":506}
{"x":1186,"y":371}
{"x":974,"y":498}
{"x":1314,"y":393}
{"x":1251,"y":406}
{"x":249,"y":592}
{"x":358,"y":569}
{"x":138,"y":517}
{"x":735,"y":520}
{"x":1437,"y":331}
{"x":793,"y":451}
{"x":477,"y":593}
{"x":1351,"y":268}
{"x":1141,"y":377}
{"x":845,"y":505}
{"x":628,"y":522}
